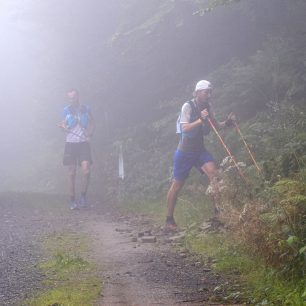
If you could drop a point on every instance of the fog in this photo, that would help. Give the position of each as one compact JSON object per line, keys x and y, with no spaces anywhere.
{"x":42,"y":55}
{"x":126,"y":57}
{"x":19,"y":78}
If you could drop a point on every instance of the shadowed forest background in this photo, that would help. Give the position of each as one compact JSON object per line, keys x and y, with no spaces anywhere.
{"x":135,"y":63}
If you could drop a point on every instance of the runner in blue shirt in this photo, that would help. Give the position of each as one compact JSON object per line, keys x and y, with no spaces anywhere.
{"x":79,"y":127}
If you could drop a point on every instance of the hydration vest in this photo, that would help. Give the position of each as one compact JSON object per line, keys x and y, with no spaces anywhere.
{"x":195,"y":115}
{"x":72,"y":117}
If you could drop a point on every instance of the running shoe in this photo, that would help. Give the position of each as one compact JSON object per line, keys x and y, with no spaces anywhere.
{"x":170,"y":225}
{"x":73,"y":205}
{"x":83,"y":201}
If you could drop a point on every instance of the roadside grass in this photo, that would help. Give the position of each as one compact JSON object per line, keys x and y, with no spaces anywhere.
{"x":151,"y":208}
{"x":260,"y":285}
{"x":71,"y":278}
{"x":193,"y":211}
{"x":188,"y":209}
{"x":80,"y":294}
{"x":229,"y":256}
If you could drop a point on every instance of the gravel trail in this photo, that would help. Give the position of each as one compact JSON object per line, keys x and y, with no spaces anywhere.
{"x":134,"y":273}
{"x":23,"y":226}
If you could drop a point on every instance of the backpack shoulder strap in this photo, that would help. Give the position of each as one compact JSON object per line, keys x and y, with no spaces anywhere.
{"x":194,"y":110}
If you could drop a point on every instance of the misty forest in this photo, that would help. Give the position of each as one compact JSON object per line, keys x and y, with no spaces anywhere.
{"x":119,"y":73}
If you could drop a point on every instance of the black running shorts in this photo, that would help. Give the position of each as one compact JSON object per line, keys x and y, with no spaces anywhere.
{"x":75,"y":153}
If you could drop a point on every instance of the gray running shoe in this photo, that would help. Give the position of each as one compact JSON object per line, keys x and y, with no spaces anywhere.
{"x":73,"y":205}
{"x":83,"y":201}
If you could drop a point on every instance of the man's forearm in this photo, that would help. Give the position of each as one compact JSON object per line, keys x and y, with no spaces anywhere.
{"x":187,"y":127}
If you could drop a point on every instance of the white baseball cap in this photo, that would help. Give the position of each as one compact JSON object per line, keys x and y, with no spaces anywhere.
{"x":203,"y":84}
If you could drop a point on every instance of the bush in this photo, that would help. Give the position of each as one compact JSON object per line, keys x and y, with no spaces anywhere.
{"x":272,"y":224}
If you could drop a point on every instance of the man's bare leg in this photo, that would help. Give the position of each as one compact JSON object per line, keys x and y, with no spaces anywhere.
{"x":172,"y":195}
{"x":85,"y":165}
{"x":71,"y":176}
{"x":210,"y":170}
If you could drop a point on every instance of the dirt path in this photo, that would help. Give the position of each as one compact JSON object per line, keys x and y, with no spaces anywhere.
{"x":124,"y":269}
{"x":133,"y":272}
{"x":137,"y":273}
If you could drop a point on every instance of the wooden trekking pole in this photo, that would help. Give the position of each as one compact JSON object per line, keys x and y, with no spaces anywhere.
{"x":227,"y":150}
{"x":247,"y":147}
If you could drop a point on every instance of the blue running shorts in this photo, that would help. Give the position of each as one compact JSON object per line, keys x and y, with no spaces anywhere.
{"x":184,"y":161}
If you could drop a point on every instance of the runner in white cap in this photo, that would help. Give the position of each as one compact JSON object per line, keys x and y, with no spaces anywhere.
{"x":191,"y":152}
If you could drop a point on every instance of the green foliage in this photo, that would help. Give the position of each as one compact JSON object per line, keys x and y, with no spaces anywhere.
{"x":259,"y":284}
{"x":267,"y":79}
{"x":292,"y":209}
{"x":271,"y":223}
{"x":279,"y":140}
{"x":267,"y":288}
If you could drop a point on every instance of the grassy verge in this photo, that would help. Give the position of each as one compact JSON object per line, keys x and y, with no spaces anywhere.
{"x":187,"y":211}
{"x":260,"y":285}
{"x":71,"y":279}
